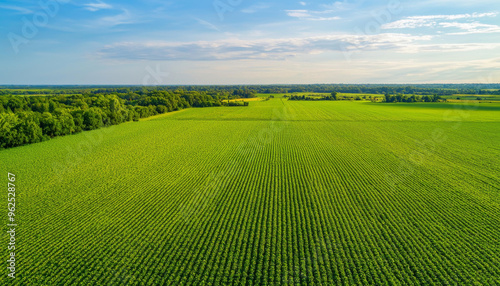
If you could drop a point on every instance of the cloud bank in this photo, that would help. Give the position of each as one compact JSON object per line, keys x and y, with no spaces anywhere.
{"x":266,"y":49}
{"x":447,"y":21}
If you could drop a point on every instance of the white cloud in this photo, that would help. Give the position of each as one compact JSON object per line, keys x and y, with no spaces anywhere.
{"x":265,"y":49}
{"x":21,"y":10}
{"x":432,"y":20}
{"x":97,"y":6}
{"x":471,"y":28}
{"x":312,"y":15}
{"x":468,"y":47}
{"x":298,"y":13}
{"x":123,"y":18}
{"x":120,"y":19}
{"x":303,"y":3}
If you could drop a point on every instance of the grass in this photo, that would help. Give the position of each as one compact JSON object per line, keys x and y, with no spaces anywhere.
{"x":316,"y":193}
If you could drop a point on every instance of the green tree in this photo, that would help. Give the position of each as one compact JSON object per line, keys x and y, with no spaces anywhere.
{"x":116,"y":111}
{"x":92,"y":118}
{"x":28,"y":129}
{"x":50,"y":125}
{"x":334,"y":95}
{"x":8,"y":134}
{"x":78,"y":120}
{"x":66,"y":122}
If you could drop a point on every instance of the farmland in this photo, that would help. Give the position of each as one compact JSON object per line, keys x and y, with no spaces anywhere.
{"x":280,"y":192}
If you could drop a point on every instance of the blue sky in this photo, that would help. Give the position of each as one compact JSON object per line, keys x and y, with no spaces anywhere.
{"x":249,"y":42}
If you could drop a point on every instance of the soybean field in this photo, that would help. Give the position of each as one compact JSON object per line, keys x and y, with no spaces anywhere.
{"x":276,"y":193}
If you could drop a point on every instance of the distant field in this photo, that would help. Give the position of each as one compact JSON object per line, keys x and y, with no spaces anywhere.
{"x":280,"y":192}
{"x":451,"y":98}
{"x":27,"y":90}
{"x":247,"y":99}
{"x":43,"y":94}
{"x":473,"y":97}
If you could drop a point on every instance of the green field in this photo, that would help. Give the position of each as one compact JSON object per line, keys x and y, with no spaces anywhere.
{"x":482,"y":97}
{"x":280,"y":192}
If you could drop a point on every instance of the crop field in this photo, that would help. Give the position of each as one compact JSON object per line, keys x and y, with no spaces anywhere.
{"x":280,"y":192}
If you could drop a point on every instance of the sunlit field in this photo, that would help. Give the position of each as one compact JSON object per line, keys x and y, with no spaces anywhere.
{"x":317,"y":193}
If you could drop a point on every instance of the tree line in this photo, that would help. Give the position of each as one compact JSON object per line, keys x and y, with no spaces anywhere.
{"x":333,"y":96}
{"x":412,"y":98}
{"x":248,"y":91}
{"x":32,"y":119}
{"x":387,"y":97}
